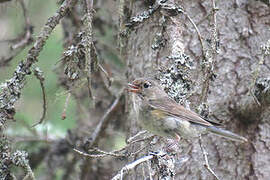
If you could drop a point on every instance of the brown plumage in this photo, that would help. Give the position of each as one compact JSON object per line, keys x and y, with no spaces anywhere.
{"x":170,"y":107}
{"x":161,"y":115}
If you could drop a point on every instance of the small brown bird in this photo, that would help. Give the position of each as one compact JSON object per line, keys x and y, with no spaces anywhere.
{"x":162,"y":116}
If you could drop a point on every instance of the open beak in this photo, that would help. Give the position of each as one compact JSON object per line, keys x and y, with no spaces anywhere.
{"x":133,"y":88}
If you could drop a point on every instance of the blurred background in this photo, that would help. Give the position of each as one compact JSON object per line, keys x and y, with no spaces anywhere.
{"x":30,"y":105}
{"x":243,"y":27}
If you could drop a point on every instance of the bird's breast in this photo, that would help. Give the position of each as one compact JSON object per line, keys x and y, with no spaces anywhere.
{"x":160,"y":123}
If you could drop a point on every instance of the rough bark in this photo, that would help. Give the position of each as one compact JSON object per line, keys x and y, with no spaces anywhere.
{"x":243,"y":26}
{"x":231,"y":87}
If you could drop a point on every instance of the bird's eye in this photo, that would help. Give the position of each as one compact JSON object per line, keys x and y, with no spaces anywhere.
{"x":146,"y":85}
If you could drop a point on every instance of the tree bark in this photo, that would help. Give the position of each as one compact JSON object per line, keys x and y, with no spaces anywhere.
{"x":243,"y":26}
{"x":212,"y":57}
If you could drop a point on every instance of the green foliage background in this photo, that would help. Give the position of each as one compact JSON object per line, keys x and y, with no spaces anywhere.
{"x":29,"y":108}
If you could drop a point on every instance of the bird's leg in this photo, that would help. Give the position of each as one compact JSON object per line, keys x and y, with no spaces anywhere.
{"x":171,"y":146}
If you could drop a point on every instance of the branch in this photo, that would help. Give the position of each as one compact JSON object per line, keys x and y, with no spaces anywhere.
{"x":206,"y":165}
{"x":102,"y":123}
{"x":88,"y":44}
{"x":39,"y":75}
{"x":164,"y":163}
{"x":198,"y":33}
{"x":116,"y":153}
{"x":132,"y":165}
{"x":33,"y":53}
{"x":10,"y":91}
{"x":64,"y":115}
{"x":2,"y":1}
{"x":102,"y":154}
{"x":17,"y":158}
{"x":210,"y":56}
{"x":21,"y":41}
{"x":265,"y":48}
{"x":28,"y":35}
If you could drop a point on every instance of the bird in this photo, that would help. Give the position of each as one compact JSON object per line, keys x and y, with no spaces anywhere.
{"x":163,"y":116}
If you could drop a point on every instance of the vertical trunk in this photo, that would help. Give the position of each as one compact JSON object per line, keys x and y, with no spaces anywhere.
{"x":242,"y":29}
{"x":211,"y":60}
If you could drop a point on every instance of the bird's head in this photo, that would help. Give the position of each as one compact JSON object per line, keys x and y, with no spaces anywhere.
{"x":146,"y":88}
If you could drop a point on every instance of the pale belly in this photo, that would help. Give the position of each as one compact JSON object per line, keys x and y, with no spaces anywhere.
{"x":169,"y":126}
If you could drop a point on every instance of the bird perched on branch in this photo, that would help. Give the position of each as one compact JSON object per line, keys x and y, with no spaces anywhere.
{"x":162,"y":116}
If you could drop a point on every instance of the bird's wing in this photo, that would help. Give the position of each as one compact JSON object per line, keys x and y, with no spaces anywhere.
{"x":170,"y":107}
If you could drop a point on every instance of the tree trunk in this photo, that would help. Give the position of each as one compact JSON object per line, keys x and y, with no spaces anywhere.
{"x":243,"y":27}
{"x":212,"y":57}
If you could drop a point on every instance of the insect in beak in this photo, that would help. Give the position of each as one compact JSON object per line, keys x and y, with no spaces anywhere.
{"x":133,"y":88}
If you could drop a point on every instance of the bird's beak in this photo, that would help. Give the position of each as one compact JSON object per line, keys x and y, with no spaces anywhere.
{"x":133,"y":88}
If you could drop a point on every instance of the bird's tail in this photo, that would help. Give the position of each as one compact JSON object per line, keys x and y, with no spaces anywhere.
{"x":226,"y":134}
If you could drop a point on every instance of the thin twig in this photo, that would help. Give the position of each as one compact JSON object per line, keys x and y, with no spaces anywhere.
{"x":39,"y":75}
{"x":206,"y":165}
{"x":102,"y":123}
{"x":51,"y":23}
{"x":132,"y":165}
{"x":210,"y":56}
{"x":135,"y":136}
{"x":198,"y":33}
{"x":133,"y":142}
{"x":12,"y":88}
{"x":64,"y":114}
{"x":102,"y":154}
{"x":106,"y":74}
{"x":28,"y":34}
{"x":21,"y":41}
{"x":115,"y":153}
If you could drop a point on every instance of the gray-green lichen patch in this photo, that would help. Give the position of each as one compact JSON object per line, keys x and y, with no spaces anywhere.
{"x":176,"y":78}
{"x":262,"y":90}
{"x":72,"y":67}
{"x":11,"y":91}
{"x":266,"y":48}
{"x":159,"y":41}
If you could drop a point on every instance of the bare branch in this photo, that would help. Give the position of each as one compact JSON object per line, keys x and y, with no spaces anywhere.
{"x":64,"y":115}
{"x":132,"y":165}
{"x":115,"y":153}
{"x":136,"y":135}
{"x":206,"y":165}
{"x":198,"y":33}
{"x":21,"y":41}
{"x":102,"y":154}
{"x":102,"y":123}
{"x":89,"y":45}
{"x":11,"y":89}
{"x":39,"y":75}
{"x":209,"y":58}
{"x":106,"y":74}
{"x":2,"y":1}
